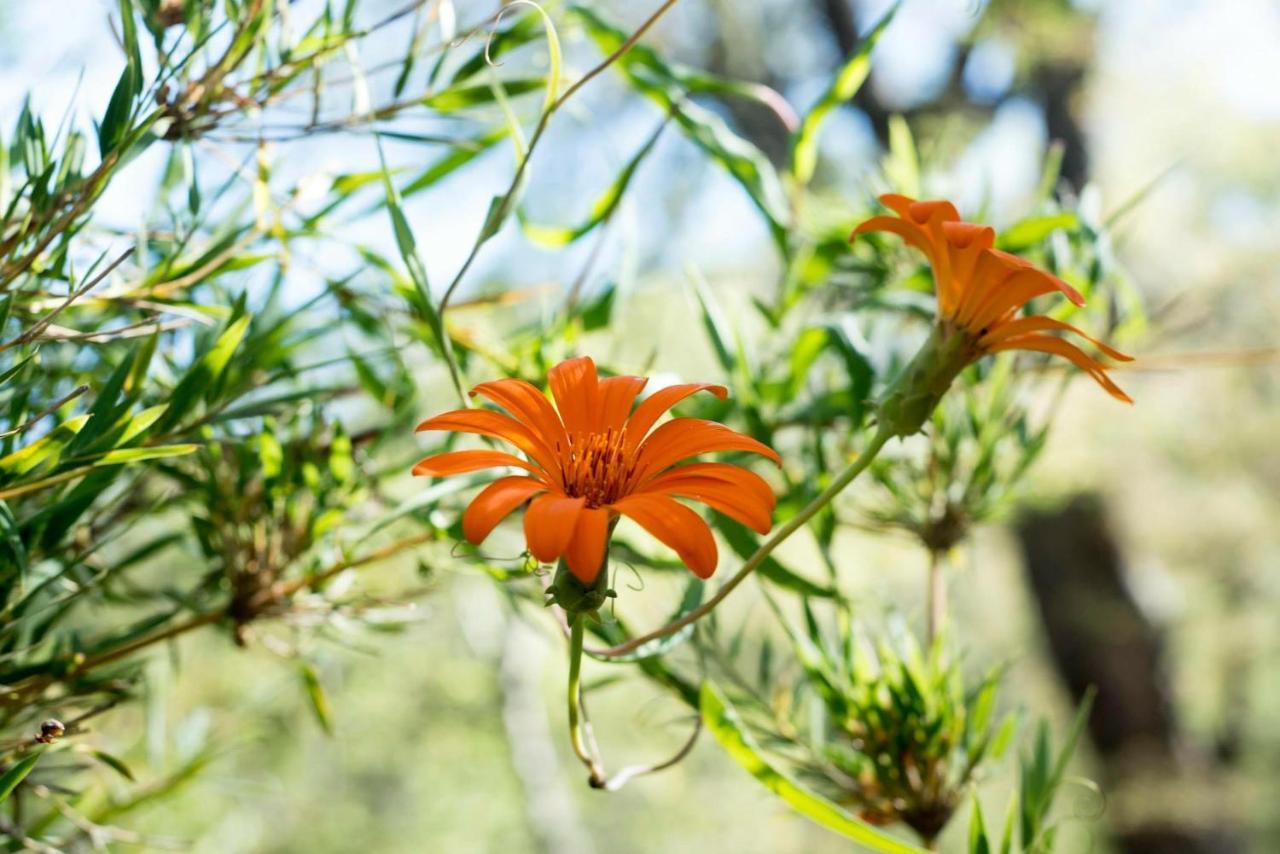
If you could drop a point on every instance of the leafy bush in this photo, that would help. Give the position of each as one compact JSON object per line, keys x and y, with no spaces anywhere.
{"x":205,"y":421}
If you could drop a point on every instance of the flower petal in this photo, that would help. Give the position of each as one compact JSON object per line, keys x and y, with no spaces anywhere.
{"x":494,"y":503}
{"x":898,"y":203}
{"x":585,"y":553}
{"x":549,"y":524}
{"x":575,"y":387}
{"x":1010,"y":295}
{"x":729,"y":499}
{"x":617,"y":394}
{"x":1058,"y":347}
{"x":460,"y":462}
{"x":1026,"y":325}
{"x":656,"y":405}
{"x":742,"y":479}
{"x":677,"y":527}
{"x":1067,"y":291}
{"x":908,"y":231}
{"x":681,"y":438}
{"x":933,"y":211}
{"x":529,"y":405}
{"x":484,"y":422}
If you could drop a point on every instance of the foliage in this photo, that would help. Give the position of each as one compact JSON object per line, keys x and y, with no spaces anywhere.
{"x":202,"y":424}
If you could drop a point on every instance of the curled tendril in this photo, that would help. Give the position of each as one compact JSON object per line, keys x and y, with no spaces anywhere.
{"x":639,"y":585}
{"x":523,"y":557}
{"x":626,"y":775}
{"x":497,"y":22}
{"x":1089,"y":806}
{"x":1090,"y":803}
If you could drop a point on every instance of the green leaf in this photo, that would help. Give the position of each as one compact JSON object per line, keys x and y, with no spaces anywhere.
{"x":121,"y":456}
{"x":16,"y":773}
{"x":408,"y":248}
{"x":804,"y":145}
{"x":714,"y":321}
{"x":1033,"y":231}
{"x":653,"y":77}
{"x":115,"y":122}
{"x":464,"y":97}
{"x":902,"y":166}
{"x":722,"y":720}
{"x":319,"y":701}
{"x":460,"y":156}
{"x":553,"y":237}
{"x":978,"y":842}
{"x":201,"y":378}
{"x":114,"y":763}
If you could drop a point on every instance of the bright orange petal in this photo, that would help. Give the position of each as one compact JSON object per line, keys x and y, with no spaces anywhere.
{"x":933,"y":211}
{"x":989,"y":274}
{"x":617,"y":394}
{"x":656,"y":405}
{"x":575,"y":387}
{"x":1058,"y":347}
{"x":922,"y":225}
{"x":1067,"y":291}
{"x":1027,"y":325}
{"x":549,"y":524}
{"x":484,"y":422}
{"x":677,"y":527}
{"x":968,"y":244}
{"x":460,"y":462}
{"x":586,"y":550}
{"x":740,"y":478}
{"x":718,"y":494}
{"x":1009,"y":296}
{"x":681,"y":438}
{"x":494,"y":503}
{"x":914,"y":236}
{"x":529,"y":405}
{"x":969,"y":235}
{"x":898,"y":203}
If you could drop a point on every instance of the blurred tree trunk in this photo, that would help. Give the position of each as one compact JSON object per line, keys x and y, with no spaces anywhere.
{"x":737,"y":51}
{"x":1055,"y":81}
{"x":1098,"y":636}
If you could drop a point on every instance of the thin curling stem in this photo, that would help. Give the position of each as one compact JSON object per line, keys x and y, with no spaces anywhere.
{"x":843,"y":479}
{"x":575,"y":702}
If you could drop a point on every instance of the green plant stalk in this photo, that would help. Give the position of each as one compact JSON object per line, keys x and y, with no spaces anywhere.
{"x":909,"y":402}
{"x":795,"y":523}
{"x":576,"y":627}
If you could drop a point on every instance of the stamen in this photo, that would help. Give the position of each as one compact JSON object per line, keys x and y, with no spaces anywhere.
{"x":597,"y":467}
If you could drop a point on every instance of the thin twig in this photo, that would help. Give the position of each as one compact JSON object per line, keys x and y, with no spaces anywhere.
{"x":48,"y":410}
{"x":42,"y":324}
{"x":522,"y":167}
{"x":761,"y":554}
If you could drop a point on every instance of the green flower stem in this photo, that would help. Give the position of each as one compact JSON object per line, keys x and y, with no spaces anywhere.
{"x":576,"y":626}
{"x":795,"y":523}
{"x":909,"y":402}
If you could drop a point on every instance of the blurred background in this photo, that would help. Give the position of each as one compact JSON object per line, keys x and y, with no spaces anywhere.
{"x":1139,"y":556}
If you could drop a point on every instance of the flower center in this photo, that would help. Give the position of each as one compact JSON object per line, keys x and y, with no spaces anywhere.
{"x":597,"y":467}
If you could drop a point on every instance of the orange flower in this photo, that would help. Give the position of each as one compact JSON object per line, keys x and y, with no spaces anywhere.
{"x":596,"y":459}
{"x":981,"y":289}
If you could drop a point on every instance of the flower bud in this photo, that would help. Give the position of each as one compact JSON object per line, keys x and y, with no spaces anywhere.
{"x":577,"y":597}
